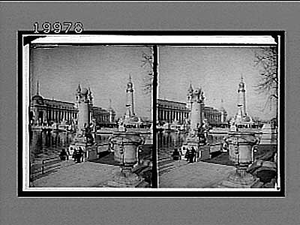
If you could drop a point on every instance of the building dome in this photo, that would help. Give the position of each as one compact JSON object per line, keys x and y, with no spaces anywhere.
{"x":222,"y":109}
{"x":38,"y":99}
{"x":110,"y":109}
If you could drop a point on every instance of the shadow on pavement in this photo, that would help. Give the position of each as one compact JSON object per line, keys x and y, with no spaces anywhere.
{"x":105,"y":158}
{"x":221,"y":158}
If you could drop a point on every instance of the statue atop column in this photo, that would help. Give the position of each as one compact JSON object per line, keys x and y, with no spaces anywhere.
{"x":83,"y":99}
{"x":85,"y":129}
{"x":198,"y":131}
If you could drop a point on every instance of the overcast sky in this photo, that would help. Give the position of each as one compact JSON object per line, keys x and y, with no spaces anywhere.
{"x":105,"y":69}
{"x":218,"y":71}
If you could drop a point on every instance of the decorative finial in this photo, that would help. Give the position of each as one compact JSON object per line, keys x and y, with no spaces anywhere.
{"x":190,"y":90}
{"x":79,"y":88}
{"x":37,"y":88}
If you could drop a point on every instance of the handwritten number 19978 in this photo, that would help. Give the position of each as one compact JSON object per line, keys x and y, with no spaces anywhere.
{"x":58,"y":27}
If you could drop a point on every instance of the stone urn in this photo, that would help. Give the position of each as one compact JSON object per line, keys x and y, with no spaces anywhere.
{"x":125,"y":146}
{"x":241,"y":147}
{"x":241,"y":153}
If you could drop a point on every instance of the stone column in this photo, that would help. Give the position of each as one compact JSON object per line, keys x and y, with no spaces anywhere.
{"x":196,"y":141}
{"x":83,"y":115}
{"x":84,"y":141}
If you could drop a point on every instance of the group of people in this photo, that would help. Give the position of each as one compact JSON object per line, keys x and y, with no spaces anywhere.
{"x":190,"y":155}
{"x":77,"y":155}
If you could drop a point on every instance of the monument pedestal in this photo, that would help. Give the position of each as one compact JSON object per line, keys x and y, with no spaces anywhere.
{"x":125,"y":178}
{"x":239,"y":179}
{"x":204,"y":152}
{"x":240,"y":152}
{"x":125,"y":146}
{"x":91,"y":152}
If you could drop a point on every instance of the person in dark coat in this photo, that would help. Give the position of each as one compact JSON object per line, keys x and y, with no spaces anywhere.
{"x":63,"y":155}
{"x":191,"y":154}
{"x":78,"y":155}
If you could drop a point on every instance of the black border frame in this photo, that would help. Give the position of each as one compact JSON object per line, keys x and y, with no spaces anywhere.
{"x":157,"y":192}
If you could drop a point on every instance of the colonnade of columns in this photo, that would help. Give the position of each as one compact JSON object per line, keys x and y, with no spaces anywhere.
{"x":104,"y":118}
{"x":61,"y":114}
{"x":48,"y":115}
{"x":170,"y":115}
{"x":213,"y":117}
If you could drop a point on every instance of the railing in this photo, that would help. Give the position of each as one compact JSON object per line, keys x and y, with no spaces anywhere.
{"x":44,"y":167}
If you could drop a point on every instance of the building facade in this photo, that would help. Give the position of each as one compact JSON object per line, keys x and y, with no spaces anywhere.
{"x":103,"y":117}
{"x":171,"y":111}
{"x":45,"y":111}
{"x":214,"y":116}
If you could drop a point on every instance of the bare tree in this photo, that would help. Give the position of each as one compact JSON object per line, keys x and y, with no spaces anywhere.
{"x":266,"y":59}
{"x":147,"y":63}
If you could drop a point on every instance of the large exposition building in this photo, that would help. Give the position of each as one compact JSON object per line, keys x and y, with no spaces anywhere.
{"x":171,"y":111}
{"x":49,"y":111}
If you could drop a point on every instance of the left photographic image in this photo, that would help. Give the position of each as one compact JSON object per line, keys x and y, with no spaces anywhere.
{"x":87,"y":115}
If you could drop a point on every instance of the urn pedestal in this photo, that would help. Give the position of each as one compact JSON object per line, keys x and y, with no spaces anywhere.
{"x":241,"y":153}
{"x":125,"y":146}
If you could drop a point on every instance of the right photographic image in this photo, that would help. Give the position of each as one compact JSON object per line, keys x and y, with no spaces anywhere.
{"x":219,"y":123}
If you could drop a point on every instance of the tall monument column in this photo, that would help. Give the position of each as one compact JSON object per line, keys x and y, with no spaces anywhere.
{"x":242,"y":98}
{"x":90,"y":101}
{"x":129,"y":99}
